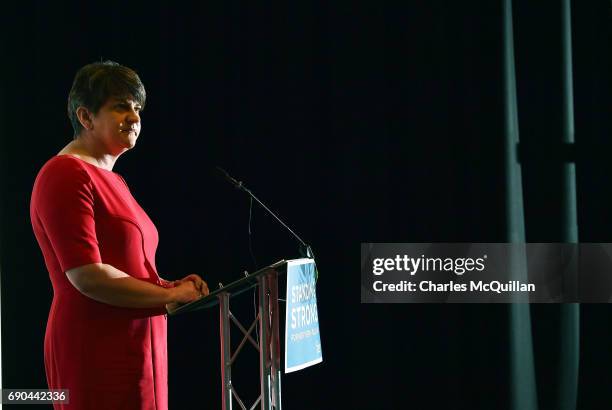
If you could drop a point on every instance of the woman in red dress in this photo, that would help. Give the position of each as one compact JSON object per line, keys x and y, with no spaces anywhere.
{"x":106,"y":335}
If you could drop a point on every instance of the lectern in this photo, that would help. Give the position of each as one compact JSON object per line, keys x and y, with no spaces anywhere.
{"x":266,"y":281}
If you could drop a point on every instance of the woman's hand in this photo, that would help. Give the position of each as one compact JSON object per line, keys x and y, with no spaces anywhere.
{"x":185,"y":292}
{"x":200,"y":285}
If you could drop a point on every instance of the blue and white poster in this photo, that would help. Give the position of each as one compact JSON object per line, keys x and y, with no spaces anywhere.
{"x":302,"y":339}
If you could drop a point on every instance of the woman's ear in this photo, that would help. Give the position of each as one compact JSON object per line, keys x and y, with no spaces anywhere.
{"x":85,"y":118}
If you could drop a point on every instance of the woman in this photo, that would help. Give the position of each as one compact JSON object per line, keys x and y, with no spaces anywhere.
{"x":106,"y":334}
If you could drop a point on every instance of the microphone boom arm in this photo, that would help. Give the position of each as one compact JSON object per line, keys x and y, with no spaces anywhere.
{"x":239,"y":185}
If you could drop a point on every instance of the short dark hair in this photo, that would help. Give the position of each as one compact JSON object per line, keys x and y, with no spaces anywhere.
{"x":95,"y":83}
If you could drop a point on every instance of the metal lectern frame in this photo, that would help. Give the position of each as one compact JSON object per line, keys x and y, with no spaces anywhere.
{"x":268,"y":345}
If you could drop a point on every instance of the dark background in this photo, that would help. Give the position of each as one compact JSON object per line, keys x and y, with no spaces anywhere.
{"x":356,"y":122}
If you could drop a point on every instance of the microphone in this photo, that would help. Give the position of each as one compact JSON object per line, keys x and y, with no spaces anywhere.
{"x":305,"y":249}
{"x":227,"y":177}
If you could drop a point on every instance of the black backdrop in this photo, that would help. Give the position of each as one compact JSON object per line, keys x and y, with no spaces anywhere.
{"x":357,"y":122}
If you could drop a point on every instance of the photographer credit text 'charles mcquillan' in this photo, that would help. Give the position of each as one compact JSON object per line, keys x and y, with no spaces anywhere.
{"x":485,"y":273}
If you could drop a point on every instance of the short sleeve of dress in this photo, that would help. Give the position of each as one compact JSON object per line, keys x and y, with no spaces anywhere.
{"x":64,"y":206}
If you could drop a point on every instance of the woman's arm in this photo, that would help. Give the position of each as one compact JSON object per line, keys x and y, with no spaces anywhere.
{"x":108,"y":284}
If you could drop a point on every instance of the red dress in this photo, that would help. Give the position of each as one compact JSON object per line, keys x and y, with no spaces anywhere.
{"x":108,"y":357}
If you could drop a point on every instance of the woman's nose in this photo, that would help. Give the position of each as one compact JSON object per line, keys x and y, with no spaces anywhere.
{"x":133,"y":116}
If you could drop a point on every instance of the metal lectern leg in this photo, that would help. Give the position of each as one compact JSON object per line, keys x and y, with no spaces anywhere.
{"x":264,"y":352}
{"x":226,"y":369}
{"x":269,"y":346}
{"x":275,"y":342}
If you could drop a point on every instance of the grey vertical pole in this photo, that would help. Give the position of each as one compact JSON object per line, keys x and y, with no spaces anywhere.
{"x":1,"y":385}
{"x":523,"y":383}
{"x":226,"y":369}
{"x":570,"y":225}
{"x":570,"y":313}
{"x":264,"y":352}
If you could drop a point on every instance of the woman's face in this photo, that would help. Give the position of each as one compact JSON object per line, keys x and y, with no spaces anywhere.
{"x":117,"y":124}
